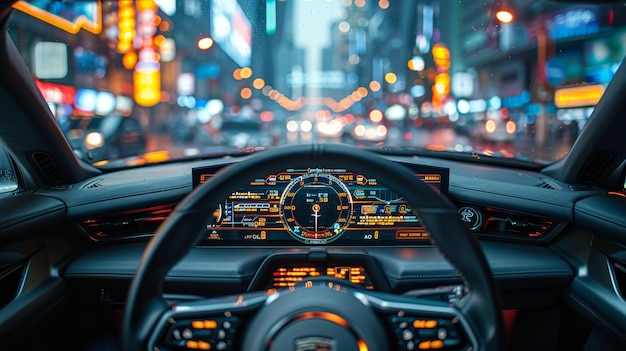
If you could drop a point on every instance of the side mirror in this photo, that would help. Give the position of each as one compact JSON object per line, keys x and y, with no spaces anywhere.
{"x":8,"y":180}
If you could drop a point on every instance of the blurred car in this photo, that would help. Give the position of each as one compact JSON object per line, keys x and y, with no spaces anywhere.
{"x":495,"y":130}
{"x":331,"y":129}
{"x":365,"y":130}
{"x":105,"y":138}
{"x":242,"y":133}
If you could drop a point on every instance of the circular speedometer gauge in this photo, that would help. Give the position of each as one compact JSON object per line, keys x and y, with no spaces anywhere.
{"x":316,"y":208}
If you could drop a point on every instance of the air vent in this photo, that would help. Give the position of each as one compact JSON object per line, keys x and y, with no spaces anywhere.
{"x":595,"y":166}
{"x":507,"y":225}
{"x":126,"y":225}
{"x":93,"y":184}
{"x":48,"y":167}
{"x":548,"y":184}
{"x":516,"y":225}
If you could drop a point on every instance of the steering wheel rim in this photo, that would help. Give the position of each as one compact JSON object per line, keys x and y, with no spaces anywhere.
{"x":186,"y":225}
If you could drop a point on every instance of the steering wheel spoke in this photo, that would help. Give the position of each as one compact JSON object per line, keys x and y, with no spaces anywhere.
{"x":206,"y":324}
{"x":422,"y":324}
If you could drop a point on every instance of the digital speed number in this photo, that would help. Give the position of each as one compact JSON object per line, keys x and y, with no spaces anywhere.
{"x":316,"y":208}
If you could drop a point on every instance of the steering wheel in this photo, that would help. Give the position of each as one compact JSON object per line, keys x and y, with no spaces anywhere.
{"x":318,"y":315}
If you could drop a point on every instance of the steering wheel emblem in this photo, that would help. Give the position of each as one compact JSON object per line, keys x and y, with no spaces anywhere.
{"x":315,"y":343}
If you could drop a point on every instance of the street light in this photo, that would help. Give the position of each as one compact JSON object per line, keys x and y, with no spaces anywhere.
{"x":205,"y":43}
{"x":503,"y":12}
{"x":504,"y":16}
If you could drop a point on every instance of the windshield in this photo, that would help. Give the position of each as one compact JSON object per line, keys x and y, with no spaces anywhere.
{"x":512,"y":79}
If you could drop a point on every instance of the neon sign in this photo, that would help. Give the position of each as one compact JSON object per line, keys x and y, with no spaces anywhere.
{"x":587,"y":95}
{"x":68,"y":16}
{"x":574,"y":22}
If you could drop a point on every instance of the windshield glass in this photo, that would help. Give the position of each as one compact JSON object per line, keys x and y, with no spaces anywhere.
{"x":512,"y":79}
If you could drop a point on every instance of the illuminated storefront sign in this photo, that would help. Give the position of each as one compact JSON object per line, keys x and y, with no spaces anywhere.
{"x":147,"y":74}
{"x":517,"y":101}
{"x":463,"y":84}
{"x":442,"y":80}
{"x":231,"y":30}
{"x":126,"y":27}
{"x":471,"y":106}
{"x":68,"y":16}
{"x":574,"y":22}
{"x":86,"y":100}
{"x":147,"y":84}
{"x":50,"y":60}
{"x":588,"y":95}
{"x":99,"y":102}
{"x":56,"y":93}
{"x":105,"y":103}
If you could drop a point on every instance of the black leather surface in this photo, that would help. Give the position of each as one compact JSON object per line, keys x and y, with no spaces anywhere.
{"x":20,"y":314}
{"x":599,"y":305}
{"x":24,"y":215}
{"x":513,"y":265}
{"x":603,"y":215}
{"x":125,"y":190}
{"x":201,"y":264}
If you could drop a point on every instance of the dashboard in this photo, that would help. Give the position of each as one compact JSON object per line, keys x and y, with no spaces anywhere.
{"x":249,"y":244}
{"x":317,"y":206}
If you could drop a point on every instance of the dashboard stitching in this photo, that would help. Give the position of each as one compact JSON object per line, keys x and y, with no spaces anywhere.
{"x":554,"y":271}
{"x":511,"y":195}
{"x":425,"y":276}
{"x":209,"y":275}
{"x":533,"y":271}
{"x":131,"y":195}
{"x":600,"y":217}
{"x":178,"y":275}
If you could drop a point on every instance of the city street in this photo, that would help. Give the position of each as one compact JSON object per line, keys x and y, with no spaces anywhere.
{"x":437,"y":139}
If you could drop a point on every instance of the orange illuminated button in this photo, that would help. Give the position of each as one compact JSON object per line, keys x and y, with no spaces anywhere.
{"x":198,"y":345}
{"x":424,"y":324}
{"x":424,"y":345}
{"x":210,"y":324}
{"x":203,"y":345}
{"x":430,"y":345}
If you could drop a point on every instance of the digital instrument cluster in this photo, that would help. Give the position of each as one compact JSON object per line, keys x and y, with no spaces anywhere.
{"x":317,"y":206}
{"x":284,"y":277}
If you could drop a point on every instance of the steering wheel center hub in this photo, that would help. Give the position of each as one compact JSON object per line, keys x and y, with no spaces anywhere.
{"x":315,"y":318}
{"x":315,"y":331}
